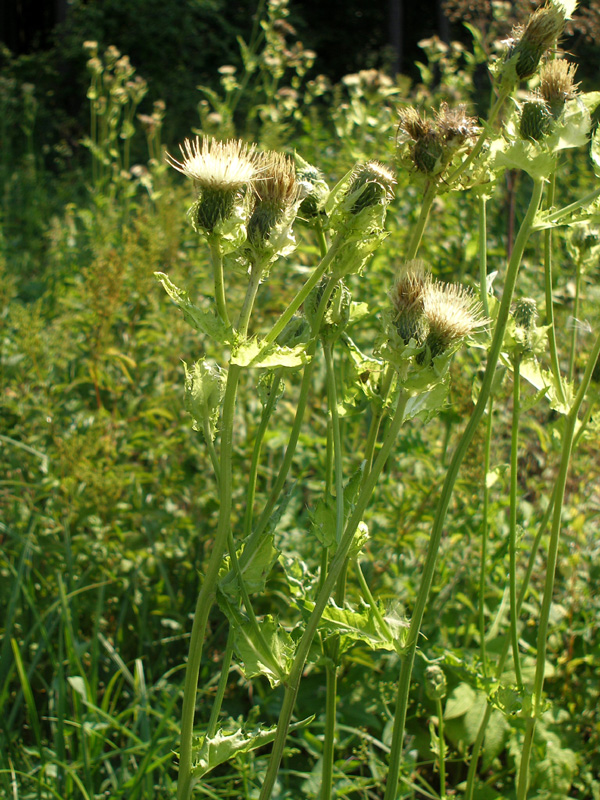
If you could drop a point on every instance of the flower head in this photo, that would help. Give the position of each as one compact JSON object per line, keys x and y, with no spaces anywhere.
{"x":407,"y":298}
{"x":452,"y":313}
{"x":219,"y":171}
{"x":557,"y":84}
{"x":275,"y":192}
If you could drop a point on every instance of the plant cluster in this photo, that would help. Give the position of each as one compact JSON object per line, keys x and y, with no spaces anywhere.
{"x":370,"y":541}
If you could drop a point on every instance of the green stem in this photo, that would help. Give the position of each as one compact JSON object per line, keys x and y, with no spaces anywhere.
{"x":552,"y":558}
{"x":258,"y":440}
{"x":571,"y":374}
{"x":364,"y":586}
{"x":556,"y":216}
{"x":535,"y":546}
{"x":333,"y":646}
{"x":207,"y":592}
{"x":485,"y":531}
{"x":417,"y":234}
{"x":483,"y":254}
{"x":512,"y":540}
{"x":255,"y":537}
{"x":295,"y":304}
{"x":335,"y":570}
{"x":218,"y":701}
{"x":446,"y":494}
{"x":440,"y":715}
{"x":548,"y":290}
{"x":256,"y":272}
{"x":217,"y":262}
{"x":263,"y":648}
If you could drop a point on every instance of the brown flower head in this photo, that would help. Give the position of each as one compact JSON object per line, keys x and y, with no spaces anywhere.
{"x":408,"y":301}
{"x":275,"y":192}
{"x":557,"y":84}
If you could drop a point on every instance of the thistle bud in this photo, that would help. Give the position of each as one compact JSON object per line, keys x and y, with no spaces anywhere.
{"x":313,"y":188}
{"x":435,"y":683}
{"x":371,"y":184}
{"x":536,"y":119}
{"x":540,"y":33}
{"x":557,"y":85}
{"x":525,"y":313}
{"x":337,"y":313}
{"x":407,"y":298}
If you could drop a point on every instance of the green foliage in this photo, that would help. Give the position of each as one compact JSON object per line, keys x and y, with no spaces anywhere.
{"x":110,"y":500}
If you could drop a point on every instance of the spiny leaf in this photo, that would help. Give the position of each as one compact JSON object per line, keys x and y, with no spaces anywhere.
{"x":202,"y":319}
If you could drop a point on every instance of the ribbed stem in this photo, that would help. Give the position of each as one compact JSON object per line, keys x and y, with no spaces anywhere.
{"x":444,"y":501}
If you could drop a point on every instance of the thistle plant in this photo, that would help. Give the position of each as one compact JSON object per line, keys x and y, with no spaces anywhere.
{"x":252,"y":208}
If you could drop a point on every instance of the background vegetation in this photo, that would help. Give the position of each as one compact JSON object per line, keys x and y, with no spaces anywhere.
{"x":107,"y":505}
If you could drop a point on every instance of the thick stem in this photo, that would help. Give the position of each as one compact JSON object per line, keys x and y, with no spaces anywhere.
{"x":217,"y":262}
{"x":446,"y":494}
{"x":218,"y":701}
{"x":512,"y":535}
{"x":207,"y":593}
{"x":417,"y":234}
{"x":552,"y":558}
{"x":485,"y":532}
{"x":335,"y":570}
{"x":549,"y":320}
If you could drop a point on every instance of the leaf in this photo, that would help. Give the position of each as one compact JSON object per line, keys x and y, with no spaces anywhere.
{"x":225,"y":744}
{"x":254,"y":569}
{"x":459,"y":701}
{"x":324,"y":521}
{"x":360,"y":625}
{"x":428,"y":403}
{"x":496,"y":734}
{"x":201,"y":319}
{"x":573,"y":128}
{"x":254,"y":353}
{"x":522,"y":155}
{"x":275,"y":664}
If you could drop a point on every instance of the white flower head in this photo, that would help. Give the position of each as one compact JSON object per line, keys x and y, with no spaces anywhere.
{"x":217,"y":165}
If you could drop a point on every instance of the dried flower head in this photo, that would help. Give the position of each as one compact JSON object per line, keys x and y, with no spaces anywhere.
{"x":557,"y":84}
{"x":219,"y":171}
{"x":540,"y":33}
{"x":452,"y":313}
{"x":411,"y":125}
{"x":371,"y":184}
{"x":536,"y":119}
{"x":455,"y":125}
{"x":408,"y":301}
{"x":275,"y":192}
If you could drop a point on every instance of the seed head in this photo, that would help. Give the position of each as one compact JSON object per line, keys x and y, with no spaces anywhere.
{"x":557,"y":84}
{"x":219,"y":171}
{"x":454,"y":124}
{"x":536,"y":119}
{"x":452,"y":313}
{"x":408,"y":300}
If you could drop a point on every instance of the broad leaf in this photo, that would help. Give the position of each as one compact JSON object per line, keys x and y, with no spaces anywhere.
{"x":209,"y":753}
{"x":202,"y":319}
{"x":254,"y":353}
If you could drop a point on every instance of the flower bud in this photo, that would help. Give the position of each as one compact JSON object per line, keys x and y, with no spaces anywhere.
{"x":542,"y":30}
{"x":435,"y":683}
{"x":536,"y":119}
{"x":275,"y":193}
{"x":314,"y":190}
{"x":371,"y":184}
{"x":525,"y":313}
